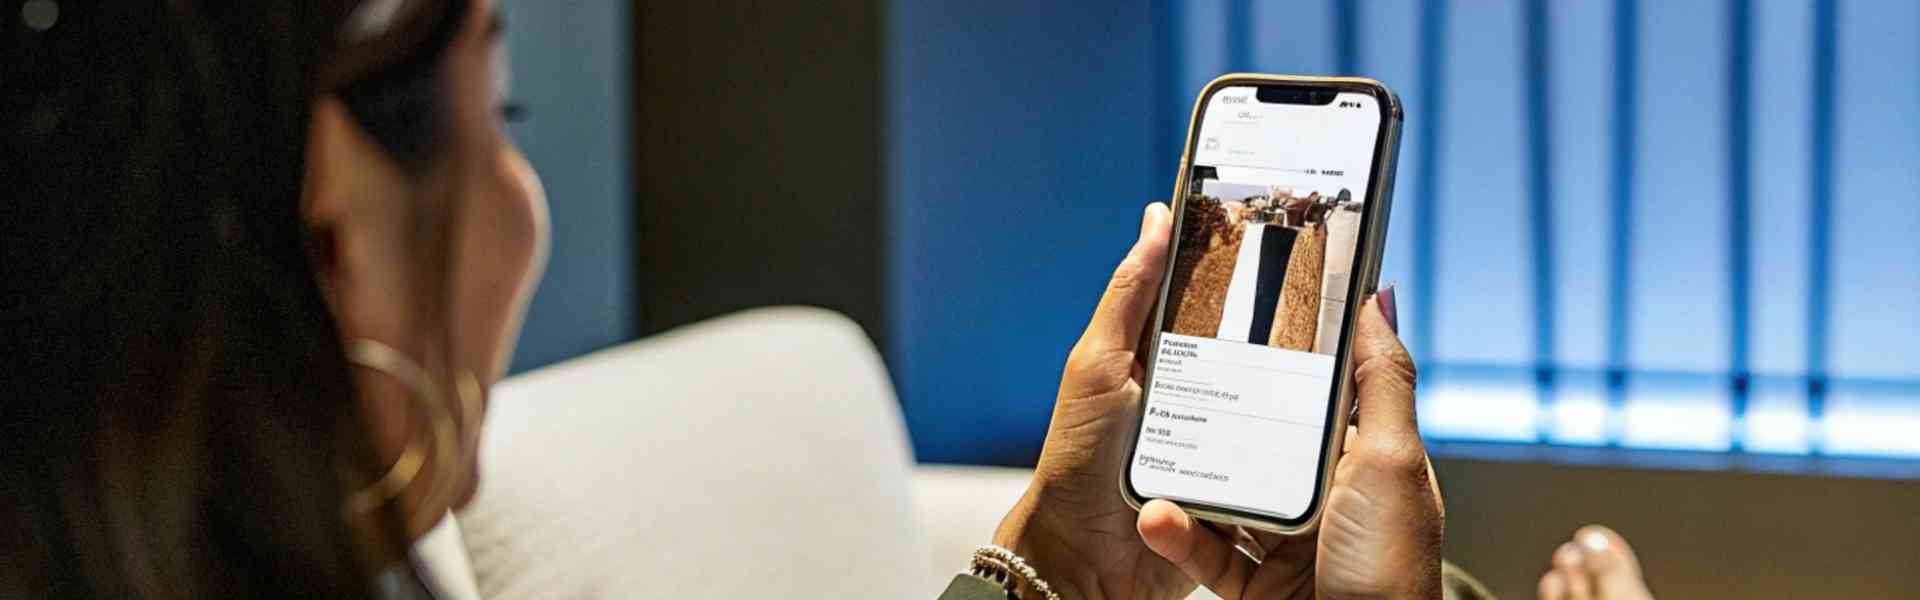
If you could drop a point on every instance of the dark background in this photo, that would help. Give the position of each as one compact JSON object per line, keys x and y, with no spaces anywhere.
{"x":759,"y":169}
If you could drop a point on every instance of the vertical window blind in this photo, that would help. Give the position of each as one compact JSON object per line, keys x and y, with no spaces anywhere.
{"x":1673,"y":225}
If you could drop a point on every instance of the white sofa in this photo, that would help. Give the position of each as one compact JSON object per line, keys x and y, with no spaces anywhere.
{"x":758,"y":455}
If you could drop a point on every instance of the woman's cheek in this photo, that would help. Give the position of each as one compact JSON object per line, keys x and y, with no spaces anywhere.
{"x":536,"y":228}
{"x":520,"y":252}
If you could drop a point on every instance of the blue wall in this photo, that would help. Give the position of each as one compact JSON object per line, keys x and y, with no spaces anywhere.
{"x":1020,"y":146}
{"x":570,"y":71}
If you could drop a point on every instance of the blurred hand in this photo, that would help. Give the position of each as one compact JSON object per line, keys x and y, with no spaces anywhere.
{"x":1072,"y":524}
{"x":1380,"y":534}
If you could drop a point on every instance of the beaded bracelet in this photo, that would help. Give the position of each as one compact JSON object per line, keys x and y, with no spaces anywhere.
{"x":1002,"y":566}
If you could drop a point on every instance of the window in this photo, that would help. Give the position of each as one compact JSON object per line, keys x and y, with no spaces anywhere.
{"x":1631,"y":224}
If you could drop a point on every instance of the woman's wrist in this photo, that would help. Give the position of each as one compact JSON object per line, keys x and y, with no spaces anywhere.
{"x":1025,"y":532}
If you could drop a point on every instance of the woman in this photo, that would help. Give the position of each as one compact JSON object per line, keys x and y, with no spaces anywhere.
{"x":264,"y":258}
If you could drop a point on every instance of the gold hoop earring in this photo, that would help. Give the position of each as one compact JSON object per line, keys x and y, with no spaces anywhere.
{"x":470,"y":393}
{"x":388,"y":361}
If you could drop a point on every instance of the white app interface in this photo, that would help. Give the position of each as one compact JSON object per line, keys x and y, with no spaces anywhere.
{"x":1243,"y":379}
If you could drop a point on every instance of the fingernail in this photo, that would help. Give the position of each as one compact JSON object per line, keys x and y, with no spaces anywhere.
{"x":1594,"y":541}
{"x":1146,"y":218}
{"x":1388,"y":309}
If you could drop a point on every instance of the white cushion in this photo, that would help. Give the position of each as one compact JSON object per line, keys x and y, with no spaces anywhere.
{"x":760,"y":455}
{"x":960,"y":507}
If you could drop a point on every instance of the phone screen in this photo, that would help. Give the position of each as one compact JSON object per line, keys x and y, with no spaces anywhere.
{"x":1242,"y":385}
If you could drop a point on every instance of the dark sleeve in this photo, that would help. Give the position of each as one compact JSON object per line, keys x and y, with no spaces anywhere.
{"x":969,"y":587}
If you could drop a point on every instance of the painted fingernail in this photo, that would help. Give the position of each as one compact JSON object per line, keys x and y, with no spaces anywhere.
{"x":1388,"y":308}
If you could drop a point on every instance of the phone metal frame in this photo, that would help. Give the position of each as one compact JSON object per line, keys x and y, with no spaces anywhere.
{"x":1373,"y":225}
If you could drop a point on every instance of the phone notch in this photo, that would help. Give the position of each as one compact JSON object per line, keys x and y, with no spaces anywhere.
{"x":1294,"y":94}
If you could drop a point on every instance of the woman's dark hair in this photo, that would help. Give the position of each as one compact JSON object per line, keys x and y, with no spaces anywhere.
{"x":177,"y":417}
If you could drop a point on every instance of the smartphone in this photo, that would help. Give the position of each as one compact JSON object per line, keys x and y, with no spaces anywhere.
{"x":1280,"y":215}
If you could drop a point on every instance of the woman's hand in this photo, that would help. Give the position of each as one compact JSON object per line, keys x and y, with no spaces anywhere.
{"x":1380,"y":534}
{"x":1072,"y":523}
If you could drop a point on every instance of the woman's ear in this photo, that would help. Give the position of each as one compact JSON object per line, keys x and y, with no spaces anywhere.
{"x":345,"y":167}
{"x":354,"y":203}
